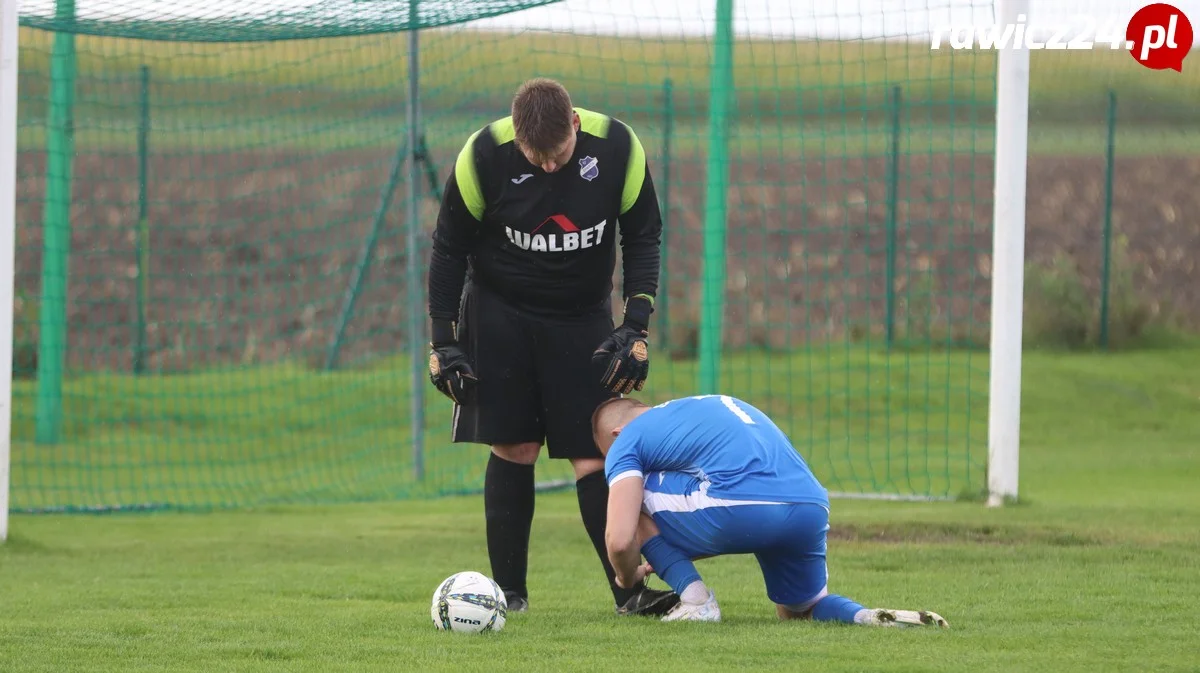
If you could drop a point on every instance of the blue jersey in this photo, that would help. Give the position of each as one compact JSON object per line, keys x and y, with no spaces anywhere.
{"x":719,"y":445}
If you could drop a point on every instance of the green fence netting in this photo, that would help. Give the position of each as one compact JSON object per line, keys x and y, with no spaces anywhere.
{"x":196,"y":196}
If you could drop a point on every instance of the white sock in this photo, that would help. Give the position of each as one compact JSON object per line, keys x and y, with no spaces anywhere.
{"x":695,"y":593}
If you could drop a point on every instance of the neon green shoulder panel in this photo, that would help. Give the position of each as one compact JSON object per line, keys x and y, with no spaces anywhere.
{"x":465,"y":171}
{"x":593,"y":122}
{"x":468,"y":178}
{"x":635,"y":171}
{"x":503,"y":130}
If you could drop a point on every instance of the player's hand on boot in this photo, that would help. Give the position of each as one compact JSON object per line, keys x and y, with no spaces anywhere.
{"x":623,"y":359}
{"x":639,"y":576}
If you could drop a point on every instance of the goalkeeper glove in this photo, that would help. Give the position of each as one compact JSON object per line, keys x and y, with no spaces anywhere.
{"x":449,"y":367}
{"x":623,"y":359}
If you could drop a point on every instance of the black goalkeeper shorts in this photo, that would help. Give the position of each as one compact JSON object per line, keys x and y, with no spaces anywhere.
{"x":536,"y":382}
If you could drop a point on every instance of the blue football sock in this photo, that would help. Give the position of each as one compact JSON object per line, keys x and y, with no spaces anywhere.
{"x":672,"y":565}
{"x":834,"y":608}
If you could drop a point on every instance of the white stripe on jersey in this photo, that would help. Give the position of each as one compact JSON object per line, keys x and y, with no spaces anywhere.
{"x":653,"y":502}
{"x":624,"y":475}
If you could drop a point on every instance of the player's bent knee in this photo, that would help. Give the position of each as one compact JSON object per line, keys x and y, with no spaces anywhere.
{"x":801,"y":610}
{"x":523,"y":454}
{"x":784,"y":612}
{"x":585,"y":466}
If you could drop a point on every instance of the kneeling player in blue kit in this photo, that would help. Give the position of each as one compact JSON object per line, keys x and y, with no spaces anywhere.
{"x":710,"y":475}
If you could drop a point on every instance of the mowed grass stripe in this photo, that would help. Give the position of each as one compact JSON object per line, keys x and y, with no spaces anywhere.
{"x":465,"y":68}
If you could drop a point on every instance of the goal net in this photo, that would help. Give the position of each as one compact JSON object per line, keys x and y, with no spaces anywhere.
{"x":216,"y":287}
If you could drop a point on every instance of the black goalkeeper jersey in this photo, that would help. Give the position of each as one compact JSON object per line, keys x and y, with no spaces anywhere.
{"x":546,"y":242}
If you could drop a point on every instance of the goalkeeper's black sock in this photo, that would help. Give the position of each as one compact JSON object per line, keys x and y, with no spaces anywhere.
{"x":592,"y":491}
{"x":508,"y":500}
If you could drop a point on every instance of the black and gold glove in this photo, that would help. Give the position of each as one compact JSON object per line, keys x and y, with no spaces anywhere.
{"x":623,"y":359}
{"x":449,"y":367}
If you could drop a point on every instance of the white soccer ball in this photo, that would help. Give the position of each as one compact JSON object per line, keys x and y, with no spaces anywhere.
{"x":468,"y":602}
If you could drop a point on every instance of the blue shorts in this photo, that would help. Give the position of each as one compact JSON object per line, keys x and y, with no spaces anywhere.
{"x":787,"y":539}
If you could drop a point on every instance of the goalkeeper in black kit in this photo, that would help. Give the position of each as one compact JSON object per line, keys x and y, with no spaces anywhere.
{"x":520,"y":283}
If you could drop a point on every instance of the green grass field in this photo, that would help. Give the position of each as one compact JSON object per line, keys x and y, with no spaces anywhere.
{"x":1094,"y":570}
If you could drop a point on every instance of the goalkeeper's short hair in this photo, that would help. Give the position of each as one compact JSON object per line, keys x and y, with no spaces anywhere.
{"x":542,"y":115}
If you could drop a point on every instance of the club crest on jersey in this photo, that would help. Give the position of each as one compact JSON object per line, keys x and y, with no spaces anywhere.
{"x":589,"y":168}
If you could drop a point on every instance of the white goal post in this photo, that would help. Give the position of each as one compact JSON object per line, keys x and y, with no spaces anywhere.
{"x":8,"y":237}
{"x":1008,"y":261}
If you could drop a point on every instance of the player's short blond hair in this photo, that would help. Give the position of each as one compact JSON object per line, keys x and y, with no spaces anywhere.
{"x":543,"y":117}
{"x":610,"y":413}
